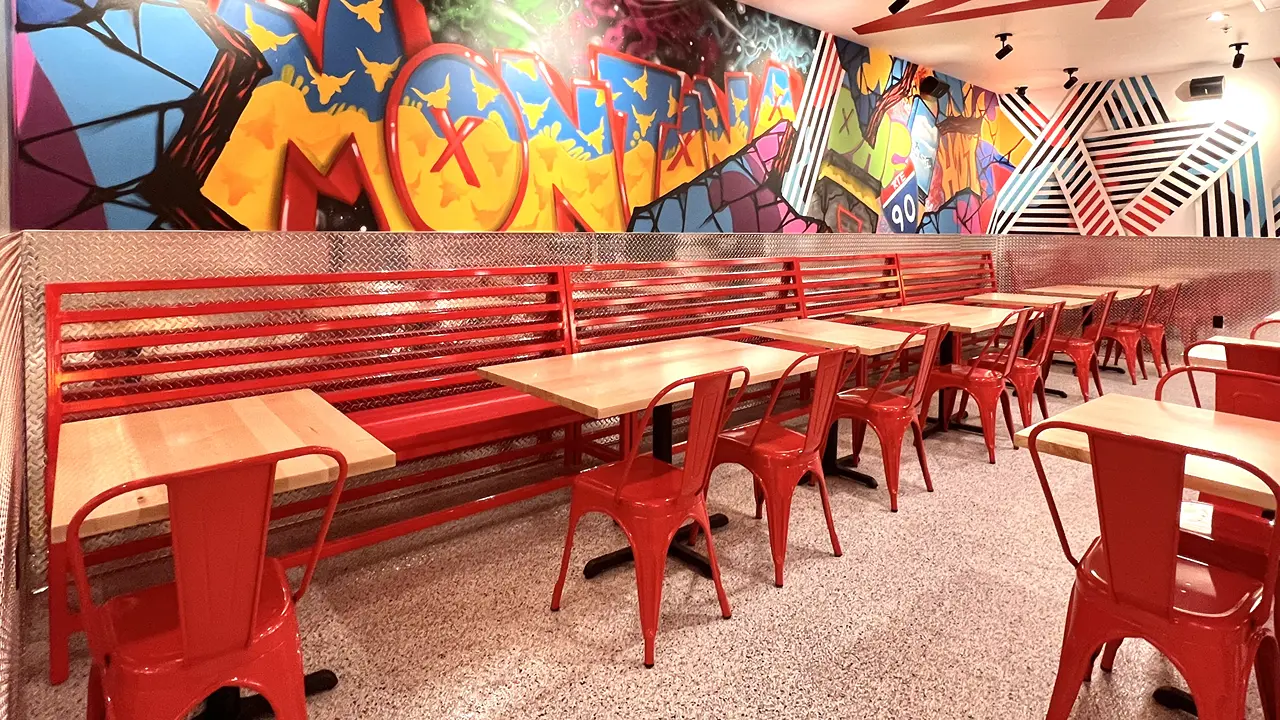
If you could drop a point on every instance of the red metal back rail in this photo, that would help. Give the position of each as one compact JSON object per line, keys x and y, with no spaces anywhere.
{"x":625,"y":303}
{"x":836,"y":285}
{"x":945,"y":276}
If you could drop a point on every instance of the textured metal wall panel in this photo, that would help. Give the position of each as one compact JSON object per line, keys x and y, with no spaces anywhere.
{"x":11,"y":465}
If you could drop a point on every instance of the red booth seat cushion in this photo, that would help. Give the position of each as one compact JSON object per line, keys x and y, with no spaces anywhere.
{"x":439,"y":425}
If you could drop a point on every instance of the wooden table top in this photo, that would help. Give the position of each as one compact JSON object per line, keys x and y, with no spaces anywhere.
{"x":824,"y":333}
{"x":962,"y":318}
{"x":1017,"y":300}
{"x":616,"y":381}
{"x":1216,"y":356}
{"x":99,"y":454}
{"x":1247,"y":438}
{"x":1087,"y":291}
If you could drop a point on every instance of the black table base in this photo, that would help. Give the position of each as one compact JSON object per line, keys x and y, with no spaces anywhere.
{"x":678,"y":550}
{"x":1175,"y":699}
{"x":833,"y":466}
{"x":227,"y":704}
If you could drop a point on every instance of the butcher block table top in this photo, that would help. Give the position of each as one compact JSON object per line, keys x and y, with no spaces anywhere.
{"x":99,"y":454}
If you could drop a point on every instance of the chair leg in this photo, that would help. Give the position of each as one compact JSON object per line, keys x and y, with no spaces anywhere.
{"x":1080,"y":643}
{"x":777,"y":498}
{"x":759,"y":490}
{"x":574,"y":516}
{"x":60,"y":616}
{"x":650,"y":563}
{"x":96,"y":701}
{"x":1097,"y":376}
{"x":283,"y":684}
{"x":1008,"y":414}
{"x":704,"y":522}
{"x":987,"y":402}
{"x":1109,"y":655}
{"x":1164,"y":352}
{"x":1026,"y":391}
{"x":1219,"y":686}
{"x":964,"y":406}
{"x":1130,"y":360}
{"x":1267,"y":670}
{"x":948,"y":407}
{"x":918,"y":437}
{"x":1142,"y":359}
{"x":858,"y":434}
{"x":1044,"y":404}
{"x":1082,"y":374}
{"x":891,"y":453}
{"x":816,"y":469}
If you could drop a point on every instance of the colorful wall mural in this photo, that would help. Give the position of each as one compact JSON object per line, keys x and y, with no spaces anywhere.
{"x":911,"y":150}
{"x":529,"y":115}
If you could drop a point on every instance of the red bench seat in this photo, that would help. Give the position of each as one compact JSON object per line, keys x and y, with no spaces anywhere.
{"x":440,"y":425}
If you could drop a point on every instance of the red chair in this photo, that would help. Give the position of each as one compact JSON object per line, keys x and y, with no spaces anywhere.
{"x":650,"y":499}
{"x":890,"y":414}
{"x":1253,"y":334}
{"x":227,"y":619}
{"x":1217,"y":530}
{"x":1154,"y":330}
{"x":1240,"y":356}
{"x":1083,"y":348}
{"x":779,"y":457}
{"x":986,"y":383}
{"x":1028,"y":373}
{"x":1210,"y":621}
{"x":1127,"y":336}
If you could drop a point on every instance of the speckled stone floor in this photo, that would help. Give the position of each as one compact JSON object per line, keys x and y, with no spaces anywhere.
{"x":951,"y":608}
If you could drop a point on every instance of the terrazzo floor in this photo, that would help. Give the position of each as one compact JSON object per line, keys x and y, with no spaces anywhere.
{"x":951,"y":608}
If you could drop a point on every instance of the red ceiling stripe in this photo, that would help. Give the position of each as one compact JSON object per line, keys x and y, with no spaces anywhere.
{"x":935,"y":12}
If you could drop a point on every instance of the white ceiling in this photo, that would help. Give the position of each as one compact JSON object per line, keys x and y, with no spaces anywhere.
{"x":1162,"y":36}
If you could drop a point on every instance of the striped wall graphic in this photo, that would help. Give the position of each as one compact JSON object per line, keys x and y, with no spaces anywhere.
{"x":1236,"y":205}
{"x":1086,"y":195}
{"x":1275,"y":209}
{"x":813,"y":124}
{"x":1129,"y":161}
{"x":1062,"y":132}
{"x":1133,"y":103}
{"x":1024,"y":114}
{"x":1048,"y":213}
{"x":1194,"y":172}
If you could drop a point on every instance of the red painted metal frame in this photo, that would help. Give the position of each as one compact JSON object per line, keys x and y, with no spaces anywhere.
{"x":945,"y":276}
{"x":615,"y":304}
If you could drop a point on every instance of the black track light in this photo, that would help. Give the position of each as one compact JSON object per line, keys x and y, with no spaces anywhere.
{"x":1022,"y":91}
{"x":1005,"y":47}
{"x":897,"y":5}
{"x":1071,"y":78}
{"x":1239,"y":47}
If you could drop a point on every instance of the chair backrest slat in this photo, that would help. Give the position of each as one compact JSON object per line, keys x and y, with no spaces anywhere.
{"x":945,"y":276}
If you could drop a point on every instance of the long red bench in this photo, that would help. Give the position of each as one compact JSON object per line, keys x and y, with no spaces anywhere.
{"x":397,"y":352}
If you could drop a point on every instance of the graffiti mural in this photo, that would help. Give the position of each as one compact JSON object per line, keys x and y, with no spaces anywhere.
{"x":911,"y":150}
{"x":528,"y":115}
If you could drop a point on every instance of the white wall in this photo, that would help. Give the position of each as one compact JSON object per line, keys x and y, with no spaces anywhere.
{"x":1251,"y":98}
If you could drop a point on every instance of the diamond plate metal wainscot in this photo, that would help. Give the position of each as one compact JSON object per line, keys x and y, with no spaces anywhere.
{"x":1236,"y":278}
{"x":100,"y":256}
{"x":11,"y":465}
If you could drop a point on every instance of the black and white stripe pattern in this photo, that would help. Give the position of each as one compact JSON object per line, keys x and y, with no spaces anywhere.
{"x":1237,"y":205}
{"x":1133,"y":103}
{"x":813,"y":124}
{"x":1130,"y":160}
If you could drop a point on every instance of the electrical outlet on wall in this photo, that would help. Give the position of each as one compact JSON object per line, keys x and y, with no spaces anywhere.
{"x":1219,"y":322}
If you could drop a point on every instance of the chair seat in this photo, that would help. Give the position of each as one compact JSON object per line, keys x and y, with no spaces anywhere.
{"x":660,"y":483}
{"x":869,"y":396}
{"x":958,"y":372}
{"x":1200,"y":590}
{"x":773,"y":438}
{"x":1121,"y":328}
{"x":994,"y":361}
{"x":1062,"y":342}
{"x":440,"y":425}
{"x":146,"y":627}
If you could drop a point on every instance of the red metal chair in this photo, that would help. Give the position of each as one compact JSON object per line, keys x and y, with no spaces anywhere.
{"x":1083,"y":348}
{"x":1029,"y":372}
{"x":1154,"y":330}
{"x":226,"y":620}
{"x":1127,"y":336}
{"x":986,"y":383}
{"x":779,"y":457}
{"x":650,"y":499}
{"x":1249,"y":358}
{"x":1253,"y":334}
{"x":890,"y":414}
{"x":1217,"y":530}
{"x":1210,"y":621}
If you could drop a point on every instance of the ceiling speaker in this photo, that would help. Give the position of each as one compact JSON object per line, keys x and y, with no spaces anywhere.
{"x":934,"y":87}
{"x":1207,"y":88}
